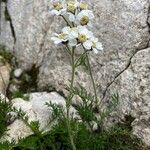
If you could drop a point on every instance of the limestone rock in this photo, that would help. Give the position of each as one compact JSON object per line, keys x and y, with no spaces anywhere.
{"x":18,"y":72}
{"x":16,"y":130}
{"x":133,"y":87}
{"x":4,"y":77}
{"x":6,"y":37}
{"x":36,"y":110}
{"x":122,"y":27}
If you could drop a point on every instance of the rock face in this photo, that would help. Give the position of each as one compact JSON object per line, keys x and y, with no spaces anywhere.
{"x":122,"y":67}
{"x":36,"y":110}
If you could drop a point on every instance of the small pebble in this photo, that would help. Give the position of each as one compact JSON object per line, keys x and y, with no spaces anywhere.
{"x":18,"y":72}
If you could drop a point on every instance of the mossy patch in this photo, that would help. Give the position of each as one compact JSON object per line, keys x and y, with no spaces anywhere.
{"x":5,"y":55}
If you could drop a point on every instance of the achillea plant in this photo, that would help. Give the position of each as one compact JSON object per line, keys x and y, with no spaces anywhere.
{"x":76,"y":33}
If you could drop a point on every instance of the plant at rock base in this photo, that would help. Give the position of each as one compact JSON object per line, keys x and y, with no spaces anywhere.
{"x":76,"y":34}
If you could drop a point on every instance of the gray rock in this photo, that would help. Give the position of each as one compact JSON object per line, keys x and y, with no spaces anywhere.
{"x":18,"y":72}
{"x":4,"y":77}
{"x":6,"y":37}
{"x":121,"y":26}
{"x":36,"y":110}
{"x":133,"y":87}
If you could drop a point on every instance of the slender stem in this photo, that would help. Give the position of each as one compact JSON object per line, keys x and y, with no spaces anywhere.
{"x":70,"y":99}
{"x":71,"y":88}
{"x":66,"y":20}
{"x":91,"y":75}
{"x":73,"y":69}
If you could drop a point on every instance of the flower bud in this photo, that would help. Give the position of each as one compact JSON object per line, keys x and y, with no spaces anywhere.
{"x":71,"y":6}
{"x":83,"y":6}
{"x":58,"y":6}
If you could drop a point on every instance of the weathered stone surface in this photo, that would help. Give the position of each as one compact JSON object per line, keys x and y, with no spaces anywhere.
{"x":133,"y":87}
{"x":36,"y":110}
{"x":16,"y":130}
{"x":121,"y":25}
{"x":4,"y":76}
{"x":6,"y":37}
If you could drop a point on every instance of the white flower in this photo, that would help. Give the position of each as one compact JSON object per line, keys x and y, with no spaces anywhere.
{"x":72,"y":6}
{"x":97,"y":46}
{"x":68,"y":34}
{"x":72,"y":35}
{"x":59,"y":38}
{"x":59,"y":8}
{"x":94,"y":44}
{"x":84,"y":36}
{"x":71,"y":32}
{"x":71,"y":17}
{"x":85,"y":17}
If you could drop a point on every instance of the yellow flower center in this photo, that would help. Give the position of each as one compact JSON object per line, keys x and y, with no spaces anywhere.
{"x":94,"y":45}
{"x":71,"y":6}
{"x":83,"y":5}
{"x":58,"y":6}
{"x":62,"y":36}
{"x":84,"y":20}
{"x":82,"y":38}
{"x":73,"y":29}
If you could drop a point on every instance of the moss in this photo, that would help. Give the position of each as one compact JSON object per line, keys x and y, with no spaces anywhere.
{"x":4,"y":108}
{"x":6,"y":55}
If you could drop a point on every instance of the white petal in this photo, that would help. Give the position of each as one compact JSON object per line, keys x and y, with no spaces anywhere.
{"x":95,"y":50}
{"x":74,"y":33}
{"x":72,"y":42}
{"x":66,"y":30}
{"x":80,"y":15}
{"x":71,"y":17}
{"x":99,"y":46}
{"x":82,"y":30}
{"x":55,"y":34}
{"x":88,"y":44}
{"x":55,"y":12}
{"x":56,"y":40}
{"x":89,"y":34}
{"x":90,"y":14}
{"x":63,"y":11}
{"x":96,"y":40}
{"x":90,"y":24}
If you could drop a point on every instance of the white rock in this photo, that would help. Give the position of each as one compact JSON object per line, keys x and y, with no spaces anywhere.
{"x":18,"y":72}
{"x":36,"y":110}
{"x":18,"y":129}
{"x":4,"y":77}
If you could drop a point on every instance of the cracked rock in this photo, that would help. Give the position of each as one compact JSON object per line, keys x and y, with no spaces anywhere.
{"x":121,"y":25}
{"x":133,"y":87}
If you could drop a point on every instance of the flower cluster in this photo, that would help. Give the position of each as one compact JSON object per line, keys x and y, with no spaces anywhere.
{"x":79,"y":19}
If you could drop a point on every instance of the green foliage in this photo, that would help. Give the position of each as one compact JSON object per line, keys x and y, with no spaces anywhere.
{"x":4,"y":109}
{"x":118,"y":137}
{"x":6,"y":55}
{"x":20,"y":94}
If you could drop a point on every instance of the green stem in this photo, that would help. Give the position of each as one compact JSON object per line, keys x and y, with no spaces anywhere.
{"x":70,"y":100}
{"x":73,"y":69}
{"x":91,"y":75}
